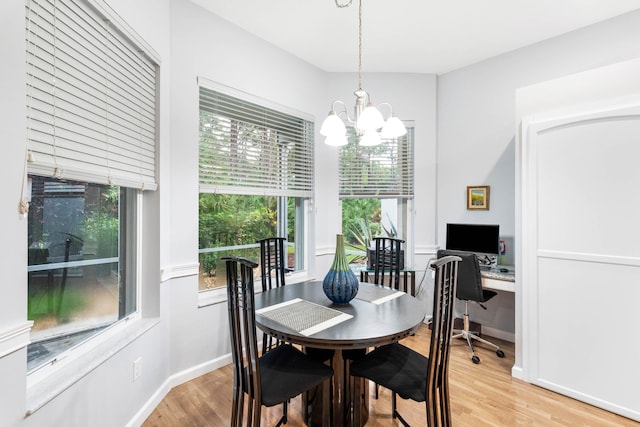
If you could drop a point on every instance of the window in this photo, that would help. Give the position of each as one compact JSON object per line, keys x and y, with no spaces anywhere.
{"x":256,"y":180}
{"x":376,"y":189}
{"x":91,"y":116}
{"x":80,"y":280}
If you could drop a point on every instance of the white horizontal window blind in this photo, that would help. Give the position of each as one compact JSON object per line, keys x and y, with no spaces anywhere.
{"x":382,"y":171}
{"x":246,"y":148}
{"x":91,"y":97}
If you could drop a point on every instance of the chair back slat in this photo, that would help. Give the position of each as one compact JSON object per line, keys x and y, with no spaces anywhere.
{"x":272,"y":262}
{"x":387,"y":261}
{"x":446,"y":278}
{"x":242,"y":331}
{"x":273,"y":266}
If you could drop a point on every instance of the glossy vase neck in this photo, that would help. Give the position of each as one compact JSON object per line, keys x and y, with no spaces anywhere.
{"x":340,"y":258}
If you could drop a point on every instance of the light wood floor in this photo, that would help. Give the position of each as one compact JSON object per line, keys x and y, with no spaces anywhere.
{"x":481,"y":395}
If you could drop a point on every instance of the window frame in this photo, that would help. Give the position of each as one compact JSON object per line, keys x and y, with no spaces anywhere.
{"x":303,"y":198}
{"x":405,"y":191}
{"x":49,"y":379}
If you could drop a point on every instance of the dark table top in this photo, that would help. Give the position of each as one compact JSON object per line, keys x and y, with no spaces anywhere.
{"x":371,"y":325}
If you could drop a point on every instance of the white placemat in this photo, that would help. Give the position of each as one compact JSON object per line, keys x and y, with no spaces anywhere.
{"x":303,"y":316}
{"x":377,"y":294}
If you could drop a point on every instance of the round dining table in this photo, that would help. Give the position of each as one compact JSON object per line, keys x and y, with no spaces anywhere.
{"x":376,"y":316}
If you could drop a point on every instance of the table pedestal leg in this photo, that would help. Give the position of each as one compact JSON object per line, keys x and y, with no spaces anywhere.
{"x":339,"y":390}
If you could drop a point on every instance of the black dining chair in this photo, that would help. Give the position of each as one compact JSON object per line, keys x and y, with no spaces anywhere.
{"x":409,"y":374}
{"x":273,"y":378}
{"x":386,"y":261}
{"x":273,"y":267}
{"x":272,"y":271}
{"x":273,"y":262}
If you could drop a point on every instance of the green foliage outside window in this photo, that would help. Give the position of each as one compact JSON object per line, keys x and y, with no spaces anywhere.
{"x":233,"y":220}
{"x":360,"y":223}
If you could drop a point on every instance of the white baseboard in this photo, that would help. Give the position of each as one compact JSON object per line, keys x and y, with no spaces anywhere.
{"x":500,"y":334}
{"x":516,"y":372}
{"x":173,"y":381}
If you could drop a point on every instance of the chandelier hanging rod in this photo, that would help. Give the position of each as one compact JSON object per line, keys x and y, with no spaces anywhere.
{"x":368,"y":118}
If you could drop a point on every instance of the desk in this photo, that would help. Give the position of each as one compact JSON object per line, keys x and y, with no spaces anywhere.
{"x":494,"y":279}
{"x":371,"y":325}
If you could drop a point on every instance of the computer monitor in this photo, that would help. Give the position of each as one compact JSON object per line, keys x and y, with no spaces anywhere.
{"x":482,"y":239}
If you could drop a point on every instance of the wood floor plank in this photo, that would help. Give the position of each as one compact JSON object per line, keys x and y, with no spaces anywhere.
{"x":483,"y":395}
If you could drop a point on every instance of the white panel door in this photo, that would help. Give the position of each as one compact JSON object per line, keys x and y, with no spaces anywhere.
{"x":581,"y":255}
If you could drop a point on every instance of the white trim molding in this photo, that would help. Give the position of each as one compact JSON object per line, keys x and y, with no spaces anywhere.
{"x":426,"y":249}
{"x":15,"y":338}
{"x":177,"y":271}
{"x":325,"y":250}
{"x":212,"y":296}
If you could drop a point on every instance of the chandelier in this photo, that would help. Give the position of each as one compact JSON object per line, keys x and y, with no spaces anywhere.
{"x":369,"y":124}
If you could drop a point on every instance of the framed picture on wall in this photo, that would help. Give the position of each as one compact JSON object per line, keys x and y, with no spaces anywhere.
{"x":478,"y":197}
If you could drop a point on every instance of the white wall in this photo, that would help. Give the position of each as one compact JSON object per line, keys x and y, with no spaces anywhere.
{"x":205,"y":46}
{"x":476,"y":138}
{"x":13,"y":302}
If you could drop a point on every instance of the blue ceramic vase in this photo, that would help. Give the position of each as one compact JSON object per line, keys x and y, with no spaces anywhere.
{"x":340,"y":284}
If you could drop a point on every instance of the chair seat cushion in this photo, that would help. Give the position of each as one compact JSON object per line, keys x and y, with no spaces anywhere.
{"x":354,"y":354}
{"x":287,"y":372}
{"x":487,"y":295}
{"x":397,"y":368}
{"x":319,"y":354}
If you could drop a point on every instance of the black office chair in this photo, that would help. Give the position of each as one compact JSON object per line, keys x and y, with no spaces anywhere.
{"x":470,"y":289}
{"x":409,"y":374}
{"x":276,"y":376}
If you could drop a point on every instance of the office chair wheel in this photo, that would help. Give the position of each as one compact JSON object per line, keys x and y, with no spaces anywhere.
{"x":500,"y":353}
{"x":475,"y":359}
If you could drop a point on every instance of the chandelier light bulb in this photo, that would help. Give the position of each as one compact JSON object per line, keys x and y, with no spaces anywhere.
{"x":370,"y":119}
{"x":393,"y":128}
{"x":336,"y":140}
{"x":370,"y":138}
{"x":333,"y":126}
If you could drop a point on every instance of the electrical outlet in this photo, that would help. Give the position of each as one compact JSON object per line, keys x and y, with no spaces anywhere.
{"x":137,"y":368}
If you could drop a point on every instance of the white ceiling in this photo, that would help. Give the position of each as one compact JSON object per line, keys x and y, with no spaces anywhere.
{"x":422,"y":36}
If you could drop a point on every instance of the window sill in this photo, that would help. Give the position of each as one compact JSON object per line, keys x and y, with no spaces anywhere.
{"x":219,"y":295}
{"x":44,"y":387}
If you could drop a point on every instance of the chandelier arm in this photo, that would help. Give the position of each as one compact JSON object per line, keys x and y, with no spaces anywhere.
{"x":347,"y":4}
{"x":344,"y":110}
